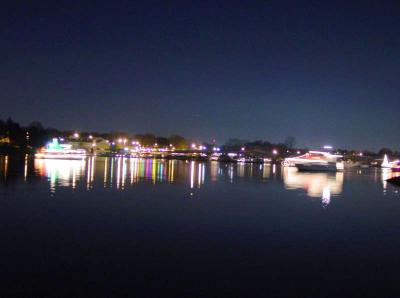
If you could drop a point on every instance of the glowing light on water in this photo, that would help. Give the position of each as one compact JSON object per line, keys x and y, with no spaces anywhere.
{"x":5,"y":166}
{"x":326,"y":195}
{"x":123,"y":173}
{"x":171,"y":164}
{"x":192,"y":174}
{"x":60,"y":172}
{"x":322,"y":185}
{"x":105,"y":171}
{"x":266,"y":171}
{"x":26,"y":167}
{"x":199,"y":176}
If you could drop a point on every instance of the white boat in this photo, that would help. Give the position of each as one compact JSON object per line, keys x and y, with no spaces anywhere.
{"x":393,"y":165}
{"x":316,"y":161}
{"x":54,"y":150}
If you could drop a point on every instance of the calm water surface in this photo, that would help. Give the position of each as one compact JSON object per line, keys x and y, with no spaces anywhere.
{"x":117,"y":226}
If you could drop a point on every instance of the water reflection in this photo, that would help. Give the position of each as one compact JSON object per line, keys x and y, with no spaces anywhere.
{"x":118,"y":172}
{"x":60,"y":172}
{"x":121,"y":173}
{"x":387,"y":174}
{"x":317,"y":185}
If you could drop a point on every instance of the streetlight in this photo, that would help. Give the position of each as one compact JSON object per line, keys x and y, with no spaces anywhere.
{"x":274,"y":152}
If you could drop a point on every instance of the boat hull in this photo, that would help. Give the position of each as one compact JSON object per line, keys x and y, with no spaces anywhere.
{"x":314,"y":167}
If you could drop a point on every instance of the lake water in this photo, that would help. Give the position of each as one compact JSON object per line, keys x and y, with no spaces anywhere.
{"x":118,"y":226}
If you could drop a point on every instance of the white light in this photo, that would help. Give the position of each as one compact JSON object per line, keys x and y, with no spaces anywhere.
{"x":328,"y":147}
{"x":90,"y":137}
{"x":193,"y":146}
{"x":275,"y":152}
{"x":76,"y":135}
{"x":243,"y":148}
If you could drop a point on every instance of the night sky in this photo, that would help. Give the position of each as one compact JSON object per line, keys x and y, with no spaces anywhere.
{"x":321,"y":71}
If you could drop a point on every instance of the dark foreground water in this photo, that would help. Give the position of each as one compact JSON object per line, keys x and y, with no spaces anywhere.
{"x":120,"y":227}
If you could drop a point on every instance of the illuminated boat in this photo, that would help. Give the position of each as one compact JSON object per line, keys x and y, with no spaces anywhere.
{"x":54,"y":150}
{"x":393,"y":165}
{"x":316,"y":161}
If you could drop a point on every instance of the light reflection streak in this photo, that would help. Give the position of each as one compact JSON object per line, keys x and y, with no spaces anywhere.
{"x":60,"y":172}
{"x":266,"y":171}
{"x":230,"y":173}
{"x":199,"y":176}
{"x":123,"y":173}
{"x":5,"y":166}
{"x":26,"y":167}
{"x":192,"y":174}
{"x":214,"y":170}
{"x":171,"y":164}
{"x":112,"y":172}
{"x":105,"y":171}
{"x":240,"y":169}
{"x":118,"y":172}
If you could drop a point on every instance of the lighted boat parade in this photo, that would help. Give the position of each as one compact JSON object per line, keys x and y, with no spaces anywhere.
{"x":392,"y":165}
{"x":316,"y":161}
{"x":55,"y":150}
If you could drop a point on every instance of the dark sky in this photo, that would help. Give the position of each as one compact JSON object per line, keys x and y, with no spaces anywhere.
{"x":321,"y":71}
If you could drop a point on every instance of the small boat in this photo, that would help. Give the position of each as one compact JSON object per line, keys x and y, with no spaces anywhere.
{"x":316,"y":161}
{"x":54,"y":150}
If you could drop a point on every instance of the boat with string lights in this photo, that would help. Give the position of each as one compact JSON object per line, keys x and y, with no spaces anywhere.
{"x":316,"y":161}
{"x":392,"y":165}
{"x":55,"y":150}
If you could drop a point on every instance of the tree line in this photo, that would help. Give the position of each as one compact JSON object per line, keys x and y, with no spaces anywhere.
{"x":15,"y":137}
